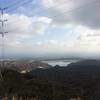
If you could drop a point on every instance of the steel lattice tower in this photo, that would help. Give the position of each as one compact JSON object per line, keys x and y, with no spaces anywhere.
{"x":2,"y":32}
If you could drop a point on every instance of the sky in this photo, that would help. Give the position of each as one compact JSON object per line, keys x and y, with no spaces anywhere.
{"x":51,"y":28}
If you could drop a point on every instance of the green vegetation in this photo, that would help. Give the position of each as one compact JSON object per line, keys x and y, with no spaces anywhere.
{"x":22,"y":87}
{"x":78,"y":81}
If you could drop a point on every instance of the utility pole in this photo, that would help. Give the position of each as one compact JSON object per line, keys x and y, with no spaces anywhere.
{"x":2,"y":22}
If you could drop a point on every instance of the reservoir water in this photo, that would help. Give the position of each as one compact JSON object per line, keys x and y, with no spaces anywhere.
{"x":60,"y":62}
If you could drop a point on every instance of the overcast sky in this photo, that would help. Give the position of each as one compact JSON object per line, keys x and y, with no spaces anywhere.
{"x":47,"y":28}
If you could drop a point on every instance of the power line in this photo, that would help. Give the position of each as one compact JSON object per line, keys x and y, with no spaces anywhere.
{"x":17,"y":4}
{"x":29,"y":1}
{"x":69,"y":11}
{"x":77,"y":8}
{"x":66,"y":12}
{"x":13,"y":4}
{"x":26,"y":2}
{"x":7,"y":8}
{"x":46,"y":9}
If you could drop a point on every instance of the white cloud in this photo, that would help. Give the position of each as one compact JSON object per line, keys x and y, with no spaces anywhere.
{"x":22,"y":28}
{"x":83,"y":22}
{"x":88,"y":40}
{"x":22,"y":24}
{"x":54,"y":46}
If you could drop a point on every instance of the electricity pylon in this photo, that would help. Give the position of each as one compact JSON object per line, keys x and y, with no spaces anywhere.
{"x":2,"y":32}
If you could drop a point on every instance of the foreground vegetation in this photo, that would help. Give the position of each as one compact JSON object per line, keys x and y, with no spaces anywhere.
{"x":16,"y":86}
{"x":78,"y":81}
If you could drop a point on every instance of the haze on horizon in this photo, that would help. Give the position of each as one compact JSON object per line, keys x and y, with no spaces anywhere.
{"x":52,"y":28}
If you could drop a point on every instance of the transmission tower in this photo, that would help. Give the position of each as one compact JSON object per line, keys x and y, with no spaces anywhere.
{"x":2,"y":32}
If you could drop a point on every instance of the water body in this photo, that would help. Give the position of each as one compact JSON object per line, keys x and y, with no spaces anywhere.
{"x":60,"y":62}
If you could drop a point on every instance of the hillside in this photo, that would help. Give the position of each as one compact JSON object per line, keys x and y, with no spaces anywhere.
{"x":25,"y":66}
{"x":78,"y":81}
{"x":81,"y":79}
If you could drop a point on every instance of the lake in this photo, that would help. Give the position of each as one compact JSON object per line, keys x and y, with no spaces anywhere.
{"x":60,"y":62}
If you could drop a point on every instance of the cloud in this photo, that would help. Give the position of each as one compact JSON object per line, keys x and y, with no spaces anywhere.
{"x":21,"y":29}
{"x":54,"y":46}
{"x":22,"y":24}
{"x":88,"y":40}
{"x":64,"y":11}
{"x":83,"y":22}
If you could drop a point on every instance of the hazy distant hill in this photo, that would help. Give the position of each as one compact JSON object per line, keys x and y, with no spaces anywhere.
{"x":25,"y":66}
